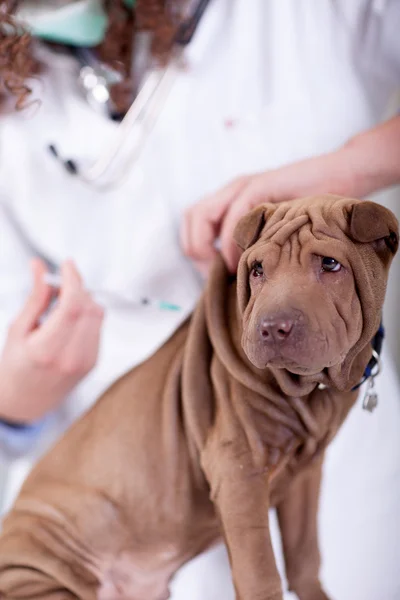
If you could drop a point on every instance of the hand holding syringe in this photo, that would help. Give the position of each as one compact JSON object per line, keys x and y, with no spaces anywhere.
{"x":43,"y":359}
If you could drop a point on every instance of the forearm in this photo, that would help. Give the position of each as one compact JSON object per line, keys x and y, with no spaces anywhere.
{"x":374,"y":158}
{"x":368,"y":162}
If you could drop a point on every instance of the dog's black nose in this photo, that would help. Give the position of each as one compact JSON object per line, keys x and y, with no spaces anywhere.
{"x":276,"y":329}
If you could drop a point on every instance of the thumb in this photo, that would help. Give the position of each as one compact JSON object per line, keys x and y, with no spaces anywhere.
{"x":38,"y":300}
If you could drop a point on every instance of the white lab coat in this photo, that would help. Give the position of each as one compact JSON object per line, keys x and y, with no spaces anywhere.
{"x":268,"y":82}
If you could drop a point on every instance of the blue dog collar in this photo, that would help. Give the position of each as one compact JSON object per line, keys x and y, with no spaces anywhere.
{"x":370,"y":369}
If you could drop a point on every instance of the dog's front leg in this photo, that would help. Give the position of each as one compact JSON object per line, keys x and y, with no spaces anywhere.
{"x":297,"y":515}
{"x":239,"y":490}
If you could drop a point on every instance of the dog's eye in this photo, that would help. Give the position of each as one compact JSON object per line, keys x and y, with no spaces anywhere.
{"x":330,"y":264}
{"x":257,"y":269}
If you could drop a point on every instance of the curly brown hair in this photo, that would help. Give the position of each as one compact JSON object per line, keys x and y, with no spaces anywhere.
{"x":160,"y":17}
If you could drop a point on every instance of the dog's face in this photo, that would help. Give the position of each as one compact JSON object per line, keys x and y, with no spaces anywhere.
{"x":311,"y":280}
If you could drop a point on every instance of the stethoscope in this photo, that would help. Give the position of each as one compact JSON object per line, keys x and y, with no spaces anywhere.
{"x":142,"y":114}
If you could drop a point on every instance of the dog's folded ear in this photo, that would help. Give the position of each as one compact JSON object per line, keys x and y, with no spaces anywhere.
{"x":371,"y":222}
{"x":249,"y":227}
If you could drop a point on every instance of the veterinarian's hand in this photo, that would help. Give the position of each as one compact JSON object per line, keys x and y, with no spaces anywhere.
{"x":43,"y":361}
{"x":215,"y":216}
{"x":368,"y":162}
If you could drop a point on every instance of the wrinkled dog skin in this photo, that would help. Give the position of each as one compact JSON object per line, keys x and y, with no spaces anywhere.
{"x":226,"y":420}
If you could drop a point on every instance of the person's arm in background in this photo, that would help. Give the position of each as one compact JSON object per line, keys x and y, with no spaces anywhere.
{"x":42,"y":359}
{"x":365,"y":164}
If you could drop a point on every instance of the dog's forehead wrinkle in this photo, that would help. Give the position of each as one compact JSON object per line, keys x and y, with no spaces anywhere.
{"x":281,"y":231}
{"x":328,"y":226}
{"x":322,"y":234}
{"x":325,"y":216}
{"x":328,"y":214}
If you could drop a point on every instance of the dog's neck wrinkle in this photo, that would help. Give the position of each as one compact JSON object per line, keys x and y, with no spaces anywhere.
{"x":276,"y":425}
{"x":285,"y":400}
{"x":296,"y":386}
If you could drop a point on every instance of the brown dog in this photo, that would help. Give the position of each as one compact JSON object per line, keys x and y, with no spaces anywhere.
{"x":226,"y":420}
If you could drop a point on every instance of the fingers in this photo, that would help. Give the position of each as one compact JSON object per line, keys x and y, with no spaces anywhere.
{"x":75,"y":306}
{"x":202,"y":222}
{"x":260,"y":189}
{"x":81,"y":351}
{"x":72,"y":301}
{"x":37,"y":302}
{"x":71,"y":283}
{"x":250,"y":197}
